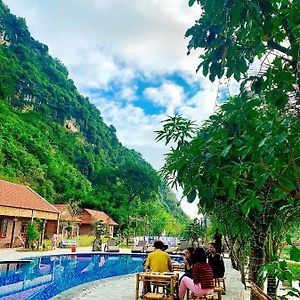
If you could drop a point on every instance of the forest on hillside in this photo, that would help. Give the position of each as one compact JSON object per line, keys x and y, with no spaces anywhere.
{"x":54,"y":140}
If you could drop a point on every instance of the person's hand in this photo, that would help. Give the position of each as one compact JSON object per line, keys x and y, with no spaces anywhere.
{"x":185,"y":261}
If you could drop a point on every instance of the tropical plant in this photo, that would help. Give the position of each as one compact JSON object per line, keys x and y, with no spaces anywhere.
{"x":232,"y":164}
{"x":32,"y":235}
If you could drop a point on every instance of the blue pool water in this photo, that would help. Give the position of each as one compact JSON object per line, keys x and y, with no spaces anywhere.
{"x":48,"y":276}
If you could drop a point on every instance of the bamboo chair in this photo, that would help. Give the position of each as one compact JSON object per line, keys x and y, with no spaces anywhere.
{"x":210,"y":296}
{"x":154,"y":296}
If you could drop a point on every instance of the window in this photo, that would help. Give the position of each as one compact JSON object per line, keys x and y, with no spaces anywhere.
{"x":3,"y":227}
{"x":23,"y":229}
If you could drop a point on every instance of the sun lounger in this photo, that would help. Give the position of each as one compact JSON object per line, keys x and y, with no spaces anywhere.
{"x":68,"y":243}
{"x":182,"y":246}
{"x":111,"y":246}
{"x":150,"y":249}
{"x":171,"y":250}
{"x":139,"y":248}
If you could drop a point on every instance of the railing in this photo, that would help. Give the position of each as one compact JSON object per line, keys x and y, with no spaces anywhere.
{"x":259,"y":292}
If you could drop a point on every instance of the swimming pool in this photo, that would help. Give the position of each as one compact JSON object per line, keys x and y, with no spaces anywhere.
{"x":47,"y":276}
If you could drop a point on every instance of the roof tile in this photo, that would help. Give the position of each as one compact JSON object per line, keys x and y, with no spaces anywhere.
{"x":98,"y":215}
{"x":21,"y":196}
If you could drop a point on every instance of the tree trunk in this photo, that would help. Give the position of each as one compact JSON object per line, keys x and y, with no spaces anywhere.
{"x":256,"y":258}
{"x":237,"y":256}
{"x":230,"y":244}
{"x":128,"y":232}
{"x":242,"y":262}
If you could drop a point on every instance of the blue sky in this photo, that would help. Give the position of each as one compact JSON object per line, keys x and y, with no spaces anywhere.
{"x":129,"y":58}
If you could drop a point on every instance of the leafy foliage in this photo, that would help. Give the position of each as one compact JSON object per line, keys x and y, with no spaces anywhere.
{"x":32,"y":234}
{"x":234,"y":34}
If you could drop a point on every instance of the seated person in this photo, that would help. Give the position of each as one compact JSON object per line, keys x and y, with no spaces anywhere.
{"x":215,"y":261}
{"x":158,"y":260}
{"x":202,"y":281}
{"x":188,"y":262}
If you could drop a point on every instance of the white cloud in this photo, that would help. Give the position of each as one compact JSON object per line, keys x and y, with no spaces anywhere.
{"x":147,"y":35}
{"x":168,"y":95}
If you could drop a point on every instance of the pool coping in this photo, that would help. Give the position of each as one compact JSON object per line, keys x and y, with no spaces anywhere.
{"x":82,"y":290}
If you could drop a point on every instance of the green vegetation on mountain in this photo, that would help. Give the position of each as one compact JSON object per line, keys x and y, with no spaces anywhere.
{"x":54,"y":140}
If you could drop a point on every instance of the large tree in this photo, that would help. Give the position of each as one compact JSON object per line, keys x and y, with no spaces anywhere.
{"x":243,"y":163}
{"x":232,"y":164}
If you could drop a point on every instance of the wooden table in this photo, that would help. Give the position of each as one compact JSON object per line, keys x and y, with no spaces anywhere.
{"x":178,"y":267}
{"x":163,"y":278}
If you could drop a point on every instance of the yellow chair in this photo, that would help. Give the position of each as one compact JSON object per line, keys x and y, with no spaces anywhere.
{"x":218,"y":291}
{"x":210,"y":296}
{"x":219,"y":281}
{"x":154,"y":296}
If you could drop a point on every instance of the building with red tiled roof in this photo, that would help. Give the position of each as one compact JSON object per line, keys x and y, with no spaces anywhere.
{"x":66,"y":218}
{"x":65,"y":214}
{"x":19,"y":204}
{"x":90,"y":216}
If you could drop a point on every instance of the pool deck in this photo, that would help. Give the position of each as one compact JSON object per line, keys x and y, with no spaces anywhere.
{"x":121,"y":287}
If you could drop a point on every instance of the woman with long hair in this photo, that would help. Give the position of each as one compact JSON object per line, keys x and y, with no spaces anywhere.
{"x":202,"y":281}
{"x":215,"y":261}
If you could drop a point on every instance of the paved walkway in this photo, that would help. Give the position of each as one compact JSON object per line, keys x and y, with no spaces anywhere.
{"x":122,"y":287}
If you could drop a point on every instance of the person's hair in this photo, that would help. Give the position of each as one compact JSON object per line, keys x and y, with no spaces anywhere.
{"x":213,"y":244}
{"x":159,"y":245}
{"x":191,"y":250}
{"x":199,"y":256}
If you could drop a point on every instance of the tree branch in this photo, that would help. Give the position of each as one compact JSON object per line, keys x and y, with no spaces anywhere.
{"x":278,"y":47}
{"x":295,"y":171}
{"x":293,"y":194}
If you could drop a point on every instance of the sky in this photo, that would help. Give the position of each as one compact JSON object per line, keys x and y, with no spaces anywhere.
{"x":130,"y":58}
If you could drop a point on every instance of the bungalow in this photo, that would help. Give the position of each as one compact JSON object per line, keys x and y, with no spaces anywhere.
{"x":89,"y":216}
{"x":66,"y":218}
{"x":19,"y":204}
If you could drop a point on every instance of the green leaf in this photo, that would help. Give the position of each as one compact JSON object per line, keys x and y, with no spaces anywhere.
{"x":191,"y":196}
{"x":246,"y":207}
{"x":262,"y":142}
{"x":295,"y":254}
{"x":191,"y":2}
{"x":228,"y":107}
{"x":288,"y":275}
{"x":225,"y":151}
{"x":289,"y":239}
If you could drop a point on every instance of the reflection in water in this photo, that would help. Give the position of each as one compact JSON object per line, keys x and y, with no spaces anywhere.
{"x":48,"y":276}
